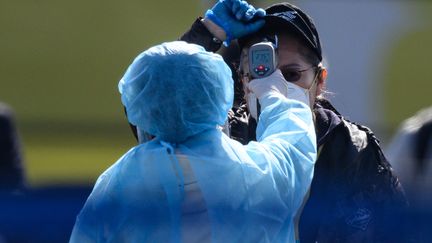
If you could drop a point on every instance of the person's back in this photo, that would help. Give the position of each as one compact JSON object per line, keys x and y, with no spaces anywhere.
{"x":12,"y":176}
{"x":411,"y":153}
{"x":192,"y":183}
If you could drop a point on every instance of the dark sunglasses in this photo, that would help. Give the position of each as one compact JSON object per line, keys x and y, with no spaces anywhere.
{"x":293,"y":75}
{"x":290,"y":75}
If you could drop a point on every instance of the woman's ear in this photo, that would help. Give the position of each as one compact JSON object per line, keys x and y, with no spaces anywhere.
{"x":321,"y":81}
{"x":323,"y":75}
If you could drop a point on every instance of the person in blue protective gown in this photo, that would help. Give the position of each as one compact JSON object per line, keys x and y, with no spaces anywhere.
{"x":191,"y":182}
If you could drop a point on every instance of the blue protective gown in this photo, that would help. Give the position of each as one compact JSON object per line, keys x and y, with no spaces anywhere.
{"x":206,"y":187}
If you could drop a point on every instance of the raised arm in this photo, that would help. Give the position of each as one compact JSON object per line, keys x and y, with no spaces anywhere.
{"x":290,"y":154}
{"x":225,"y":21}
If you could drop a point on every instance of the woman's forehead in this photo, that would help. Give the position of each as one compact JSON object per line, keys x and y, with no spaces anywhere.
{"x":289,"y":43}
{"x":289,"y":52}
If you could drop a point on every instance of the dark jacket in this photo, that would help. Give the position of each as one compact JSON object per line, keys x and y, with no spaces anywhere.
{"x":354,"y":196}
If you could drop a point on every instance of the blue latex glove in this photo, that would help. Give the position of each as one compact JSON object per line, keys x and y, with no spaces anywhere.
{"x":236,"y":17}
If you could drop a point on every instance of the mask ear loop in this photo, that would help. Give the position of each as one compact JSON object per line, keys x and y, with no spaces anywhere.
{"x":322,"y":73}
{"x":319,"y":73}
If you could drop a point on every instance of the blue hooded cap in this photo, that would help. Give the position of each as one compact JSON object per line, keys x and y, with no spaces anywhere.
{"x":176,"y":90}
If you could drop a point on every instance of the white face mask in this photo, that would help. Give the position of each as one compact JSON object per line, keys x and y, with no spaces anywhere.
{"x":289,"y":90}
{"x":298,"y":93}
{"x":252,"y":104}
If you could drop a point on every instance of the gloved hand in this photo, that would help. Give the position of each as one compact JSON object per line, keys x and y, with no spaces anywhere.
{"x":273,"y":83}
{"x":276,"y":83}
{"x":258,"y":88}
{"x":236,"y":18}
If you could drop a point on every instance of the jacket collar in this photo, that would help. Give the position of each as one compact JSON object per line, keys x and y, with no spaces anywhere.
{"x":327,"y":119}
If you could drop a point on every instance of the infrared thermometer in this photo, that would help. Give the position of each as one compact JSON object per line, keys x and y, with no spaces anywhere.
{"x":262,"y":59}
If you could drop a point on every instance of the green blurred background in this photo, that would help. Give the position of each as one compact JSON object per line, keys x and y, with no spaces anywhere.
{"x":407,"y":75}
{"x":60,"y":62}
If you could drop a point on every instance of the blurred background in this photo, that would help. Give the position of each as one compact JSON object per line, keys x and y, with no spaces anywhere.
{"x":60,"y":62}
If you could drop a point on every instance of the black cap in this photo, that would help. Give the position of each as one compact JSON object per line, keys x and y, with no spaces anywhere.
{"x":285,"y":14}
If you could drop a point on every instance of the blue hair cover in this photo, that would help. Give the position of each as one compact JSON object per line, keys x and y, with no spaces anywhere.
{"x":176,"y":90}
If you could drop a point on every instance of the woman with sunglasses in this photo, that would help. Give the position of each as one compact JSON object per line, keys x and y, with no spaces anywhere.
{"x":354,"y":195}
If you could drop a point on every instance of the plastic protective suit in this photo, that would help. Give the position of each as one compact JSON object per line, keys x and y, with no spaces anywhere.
{"x":192,"y":183}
